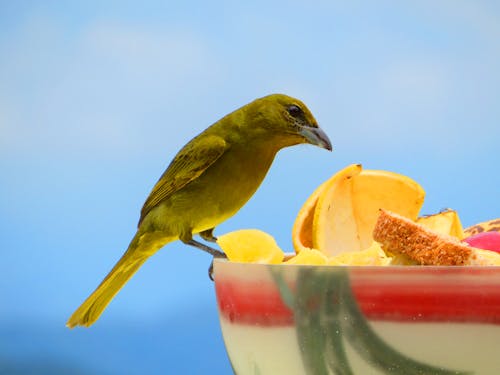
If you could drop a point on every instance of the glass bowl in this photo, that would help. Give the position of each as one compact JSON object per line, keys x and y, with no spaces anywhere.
{"x":293,"y":319}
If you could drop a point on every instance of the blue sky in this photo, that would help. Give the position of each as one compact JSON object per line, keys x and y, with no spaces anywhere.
{"x":95,"y":99}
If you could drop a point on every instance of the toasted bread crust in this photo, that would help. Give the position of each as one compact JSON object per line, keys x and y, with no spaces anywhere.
{"x":400,"y":235}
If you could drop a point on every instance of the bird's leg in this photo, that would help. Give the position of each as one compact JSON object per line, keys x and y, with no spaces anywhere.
{"x":208,"y":249}
{"x":214,"y":252}
{"x":208,"y":235}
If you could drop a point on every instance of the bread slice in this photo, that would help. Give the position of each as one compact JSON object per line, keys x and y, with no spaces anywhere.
{"x":400,"y":235}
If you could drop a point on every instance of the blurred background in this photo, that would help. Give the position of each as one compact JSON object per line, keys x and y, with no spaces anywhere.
{"x":97,"y":97}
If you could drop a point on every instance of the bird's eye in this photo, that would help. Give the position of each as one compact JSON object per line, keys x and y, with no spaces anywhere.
{"x":294,"y":110}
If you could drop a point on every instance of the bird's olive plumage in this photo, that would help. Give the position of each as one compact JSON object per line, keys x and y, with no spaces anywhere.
{"x":207,"y":182}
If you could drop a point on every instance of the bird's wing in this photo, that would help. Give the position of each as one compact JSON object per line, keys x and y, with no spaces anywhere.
{"x":191,"y":161}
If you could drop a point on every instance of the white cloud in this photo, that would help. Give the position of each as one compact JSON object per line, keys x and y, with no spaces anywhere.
{"x":147,"y":53}
{"x":100,"y":90}
{"x":115,"y":88}
{"x":421,"y":81}
{"x":481,"y":16}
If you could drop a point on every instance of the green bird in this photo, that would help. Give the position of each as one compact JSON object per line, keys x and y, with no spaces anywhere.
{"x":206,"y":183}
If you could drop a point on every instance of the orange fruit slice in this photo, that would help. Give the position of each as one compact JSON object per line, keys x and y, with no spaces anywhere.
{"x":303,"y":225}
{"x":340,"y":215}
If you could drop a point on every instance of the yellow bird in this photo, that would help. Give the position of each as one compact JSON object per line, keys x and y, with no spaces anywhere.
{"x":206,"y":183}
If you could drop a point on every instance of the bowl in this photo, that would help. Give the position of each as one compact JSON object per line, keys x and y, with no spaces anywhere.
{"x":298,"y":319}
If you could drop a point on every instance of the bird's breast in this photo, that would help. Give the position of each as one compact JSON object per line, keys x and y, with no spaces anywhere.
{"x":226,"y":186}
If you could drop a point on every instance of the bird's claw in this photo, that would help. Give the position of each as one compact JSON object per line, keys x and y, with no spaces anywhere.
{"x":211,"y":268}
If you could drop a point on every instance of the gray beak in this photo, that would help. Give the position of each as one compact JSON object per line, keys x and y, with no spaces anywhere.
{"x":317,"y":137}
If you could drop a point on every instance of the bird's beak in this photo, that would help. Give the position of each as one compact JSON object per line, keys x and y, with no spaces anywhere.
{"x":317,"y":137}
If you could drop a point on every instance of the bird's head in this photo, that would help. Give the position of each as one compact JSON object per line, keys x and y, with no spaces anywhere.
{"x":285,"y":120}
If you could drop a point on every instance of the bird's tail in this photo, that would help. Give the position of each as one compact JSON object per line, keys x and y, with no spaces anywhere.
{"x":139,"y":250}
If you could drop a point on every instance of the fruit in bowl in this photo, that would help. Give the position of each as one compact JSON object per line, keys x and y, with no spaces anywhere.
{"x":355,"y":298}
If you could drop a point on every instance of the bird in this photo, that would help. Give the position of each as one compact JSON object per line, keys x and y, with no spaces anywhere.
{"x":206,"y":183}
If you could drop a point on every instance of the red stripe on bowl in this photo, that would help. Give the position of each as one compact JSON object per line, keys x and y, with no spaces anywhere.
{"x":424,"y":300}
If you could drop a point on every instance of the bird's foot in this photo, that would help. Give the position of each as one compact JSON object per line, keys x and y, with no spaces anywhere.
{"x":211,"y":268}
{"x":214,"y":252}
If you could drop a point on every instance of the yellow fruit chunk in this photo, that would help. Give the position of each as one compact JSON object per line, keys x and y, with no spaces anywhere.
{"x":485,"y":258}
{"x":402,"y":260}
{"x":373,"y":256}
{"x":446,"y":222}
{"x":343,"y":211}
{"x":308,"y":256}
{"x":250,"y":246}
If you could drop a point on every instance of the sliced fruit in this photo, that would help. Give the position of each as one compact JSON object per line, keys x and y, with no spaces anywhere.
{"x":250,"y":246}
{"x":373,"y":256}
{"x":303,"y":226}
{"x":485,"y":240}
{"x":348,"y":206}
{"x":446,"y":222}
{"x":374,"y":190}
{"x":485,"y":226}
{"x":308,"y":256}
{"x":334,"y":229}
